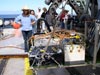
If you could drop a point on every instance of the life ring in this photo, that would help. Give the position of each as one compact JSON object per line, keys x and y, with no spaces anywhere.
{"x":39,"y":24}
{"x":1,"y":22}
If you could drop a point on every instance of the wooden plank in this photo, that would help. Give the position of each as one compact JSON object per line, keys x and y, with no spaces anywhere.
{"x":14,"y":56}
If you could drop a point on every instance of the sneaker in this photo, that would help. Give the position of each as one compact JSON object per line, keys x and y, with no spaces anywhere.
{"x":26,"y":52}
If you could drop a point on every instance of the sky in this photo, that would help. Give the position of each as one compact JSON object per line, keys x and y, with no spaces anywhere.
{"x":15,"y":6}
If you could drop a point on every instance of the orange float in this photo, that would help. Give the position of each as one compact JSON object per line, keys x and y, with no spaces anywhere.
{"x":16,"y":25}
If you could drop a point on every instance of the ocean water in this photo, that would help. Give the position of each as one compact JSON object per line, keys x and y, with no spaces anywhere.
{"x":8,"y":16}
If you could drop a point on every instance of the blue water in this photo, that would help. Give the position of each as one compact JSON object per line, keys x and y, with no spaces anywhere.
{"x":8,"y":16}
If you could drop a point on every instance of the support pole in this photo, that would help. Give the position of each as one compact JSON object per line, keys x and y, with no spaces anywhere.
{"x":86,"y":30}
{"x":95,"y":45}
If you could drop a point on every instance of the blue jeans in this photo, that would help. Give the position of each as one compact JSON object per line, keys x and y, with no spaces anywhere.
{"x":98,"y":15}
{"x":34,"y":27}
{"x":62,"y":25}
{"x":26,"y":36}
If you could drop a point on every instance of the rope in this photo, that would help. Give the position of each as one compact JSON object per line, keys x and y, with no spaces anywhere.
{"x":11,"y":47}
{"x":6,"y":37}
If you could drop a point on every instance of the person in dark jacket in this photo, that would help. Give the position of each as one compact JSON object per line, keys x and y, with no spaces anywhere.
{"x":44,"y":13}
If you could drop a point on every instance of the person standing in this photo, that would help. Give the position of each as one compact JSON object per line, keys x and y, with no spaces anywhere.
{"x":39,"y":13}
{"x":26,"y":20}
{"x":43,"y":29}
{"x":32,"y":12}
{"x":98,"y":12}
{"x":44,"y":12}
{"x":63,"y":16}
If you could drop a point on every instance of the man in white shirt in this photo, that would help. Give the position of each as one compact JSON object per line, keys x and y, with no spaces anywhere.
{"x":39,"y":13}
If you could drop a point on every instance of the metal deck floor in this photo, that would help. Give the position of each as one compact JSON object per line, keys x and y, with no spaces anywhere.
{"x":86,"y":70}
{"x":11,"y":45}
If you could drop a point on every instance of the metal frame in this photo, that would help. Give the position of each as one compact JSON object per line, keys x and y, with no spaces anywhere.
{"x":96,"y":41}
{"x":79,"y":11}
{"x":96,"y":47}
{"x":96,"y":44}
